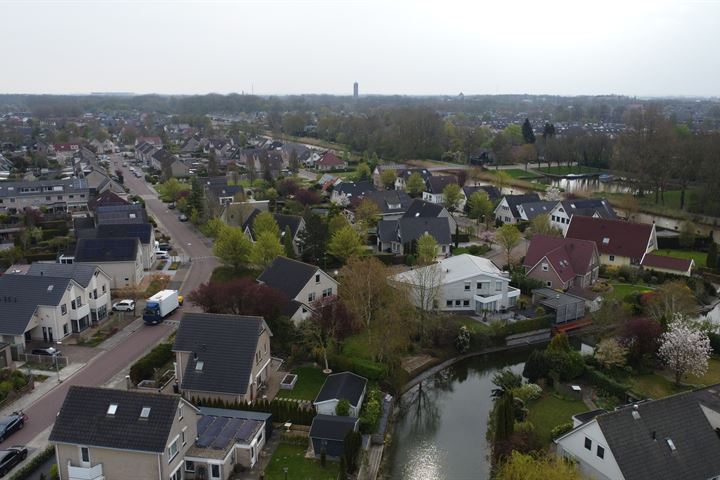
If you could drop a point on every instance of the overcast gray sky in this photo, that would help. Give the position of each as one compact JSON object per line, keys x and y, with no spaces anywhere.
{"x":389,"y":47}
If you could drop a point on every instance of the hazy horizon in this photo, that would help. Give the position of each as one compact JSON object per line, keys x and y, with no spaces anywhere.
{"x":638,"y":49}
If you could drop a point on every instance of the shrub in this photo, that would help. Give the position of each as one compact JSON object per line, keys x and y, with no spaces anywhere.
{"x":528,"y":391}
{"x":371,"y":411}
{"x":144,"y":368}
{"x":606,"y":383}
{"x":561,"y":429}
{"x":535,"y":367}
{"x":342,"y":409}
{"x":35,"y":463}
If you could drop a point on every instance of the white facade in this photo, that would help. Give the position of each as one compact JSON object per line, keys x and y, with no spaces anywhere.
{"x":587,"y":446}
{"x":320,"y":286}
{"x":504,"y":213}
{"x":328,"y":406}
{"x":460,"y":283}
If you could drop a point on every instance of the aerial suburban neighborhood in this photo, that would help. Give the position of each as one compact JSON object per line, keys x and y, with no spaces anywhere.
{"x":351,"y":284}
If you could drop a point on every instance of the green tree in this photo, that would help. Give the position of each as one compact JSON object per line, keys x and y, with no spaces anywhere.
{"x":345,"y":243}
{"x":452,"y":195}
{"x":232,"y":247}
{"x":363,"y":172}
{"x":712,"y":255}
{"x":212,"y":167}
{"x":540,"y":225}
{"x":293,"y":162}
{"x":342,"y":409}
{"x":427,"y":248}
{"x":504,"y":417}
{"x":288,"y":243}
{"x":367,"y":212}
{"x":527,"y":132}
{"x":313,"y":239}
{"x":508,"y":237}
{"x":687,"y":234}
{"x":387,"y":178}
{"x":415,"y":185}
{"x":336,"y":222}
{"x":265,"y":222}
{"x":480,"y":207}
{"x":267,"y":246}
{"x":196,"y":197}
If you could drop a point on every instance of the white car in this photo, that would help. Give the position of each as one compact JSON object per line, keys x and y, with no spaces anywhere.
{"x":162,"y":255}
{"x":124,"y":306}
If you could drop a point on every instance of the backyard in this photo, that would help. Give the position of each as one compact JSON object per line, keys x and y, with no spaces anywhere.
{"x":699,"y":257}
{"x":622,"y":290}
{"x":549,"y":411}
{"x":659,"y":384}
{"x":293,"y":458}
{"x":309,"y":382}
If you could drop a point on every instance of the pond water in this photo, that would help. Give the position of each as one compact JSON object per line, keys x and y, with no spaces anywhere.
{"x":440,"y":433}
{"x":589,"y":184}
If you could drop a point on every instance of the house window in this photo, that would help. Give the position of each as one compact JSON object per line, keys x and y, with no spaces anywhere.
{"x":180,"y":412}
{"x":317,"y":278}
{"x":182,"y":436}
{"x":59,"y":197}
{"x":612,"y":258}
{"x":466,"y":303}
{"x":498,"y":286}
{"x":545,"y":267}
{"x":457,"y":303}
{"x":65,"y":329}
{"x":600,"y":452}
{"x":214,"y":471}
{"x":311,"y":297}
{"x":63,"y":308}
{"x":72,"y":304}
{"x":47,"y":198}
{"x":327,"y":292}
{"x":104,"y":288}
{"x":548,"y":284}
{"x":189,"y":466}
{"x":176,"y":475}
{"x":79,"y":302}
{"x":467,"y":286}
{"x":448,"y":303}
{"x":172,"y":450}
{"x":588,"y":444}
{"x":85,"y":454}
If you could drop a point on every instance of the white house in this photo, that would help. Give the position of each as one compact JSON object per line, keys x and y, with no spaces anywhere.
{"x":341,"y":386}
{"x":673,"y":437}
{"x":563,"y":211}
{"x":507,"y":210}
{"x":461,"y":283}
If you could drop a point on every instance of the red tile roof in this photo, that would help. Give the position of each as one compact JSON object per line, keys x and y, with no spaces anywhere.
{"x":667,"y":263}
{"x":329,"y":159}
{"x":612,"y":237}
{"x":568,"y":256}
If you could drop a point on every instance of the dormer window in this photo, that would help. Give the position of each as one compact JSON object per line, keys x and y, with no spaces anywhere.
{"x":112,"y":409}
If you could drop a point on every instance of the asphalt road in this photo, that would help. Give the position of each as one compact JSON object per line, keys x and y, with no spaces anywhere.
{"x":184,"y":237}
{"x":107,"y":364}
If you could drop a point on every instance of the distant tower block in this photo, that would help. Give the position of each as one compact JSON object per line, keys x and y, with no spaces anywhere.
{"x":355,"y":89}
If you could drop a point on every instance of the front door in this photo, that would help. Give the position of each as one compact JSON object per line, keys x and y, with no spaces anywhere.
{"x":214,"y":472}
{"x":45,"y":337}
{"x":50,"y":335}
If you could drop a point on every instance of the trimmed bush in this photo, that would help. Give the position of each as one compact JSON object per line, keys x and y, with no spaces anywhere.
{"x":561,"y":429}
{"x":144,"y":368}
{"x":30,"y":468}
{"x":606,"y":383}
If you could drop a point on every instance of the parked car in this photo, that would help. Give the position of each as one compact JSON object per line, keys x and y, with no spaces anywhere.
{"x":11,"y":457}
{"x":164,"y":246}
{"x":162,"y":255}
{"x":182,"y":217}
{"x":11,"y":424}
{"x":171,"y":206}
{"x":50,"y":351}
{"x":124,"y":306}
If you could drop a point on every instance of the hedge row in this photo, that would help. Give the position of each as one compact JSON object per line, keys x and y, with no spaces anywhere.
{"x":34,"y":463}
{"x":523,"y":326}
{"x":281,"y":410}
{"x":144,"y":369}
{"x":603,"y":381}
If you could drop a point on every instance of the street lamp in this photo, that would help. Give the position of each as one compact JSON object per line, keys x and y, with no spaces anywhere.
{"x":57,"y":366}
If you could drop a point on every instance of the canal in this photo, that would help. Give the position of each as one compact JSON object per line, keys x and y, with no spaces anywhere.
{"x":440,"y":431}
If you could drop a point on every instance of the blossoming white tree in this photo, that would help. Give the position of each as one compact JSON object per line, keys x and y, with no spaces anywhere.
{"x":684,"y":349}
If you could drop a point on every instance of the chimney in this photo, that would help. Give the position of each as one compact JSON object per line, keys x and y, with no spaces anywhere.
{"x":635,"y":412}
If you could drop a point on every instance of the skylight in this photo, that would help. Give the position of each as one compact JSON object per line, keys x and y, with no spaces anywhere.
{"x":606,"y":240}
{"x":199,"y":366}
{"x":50,"y":287}
{"x":145,"y":413}
{"x":112,"y":409}
{"x":671,"y":444}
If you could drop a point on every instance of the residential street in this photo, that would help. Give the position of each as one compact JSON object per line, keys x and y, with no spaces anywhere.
{"x":119,"y":356}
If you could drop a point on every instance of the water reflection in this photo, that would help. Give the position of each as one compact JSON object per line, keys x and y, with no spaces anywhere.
{"x":590,"y":184}
{"x":440,"y":433}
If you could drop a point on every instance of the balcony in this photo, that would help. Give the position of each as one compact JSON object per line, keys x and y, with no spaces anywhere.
{"x":85,"y":473}
{"x":95,"y":303}
{"x":79,"y":313}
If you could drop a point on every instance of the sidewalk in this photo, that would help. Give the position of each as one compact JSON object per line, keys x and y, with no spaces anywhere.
{"x":41,"y":388}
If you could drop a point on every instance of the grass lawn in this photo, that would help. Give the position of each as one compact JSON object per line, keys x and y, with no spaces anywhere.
{"x":310,"y":381}
{"x":225,"y":274}
{"x":357,"y":346}
{"x":699,"y":257}
{"x":711,"y":377}
{"x":520,"y":173}
{"x":293,"y":457}
{"x":565,"y":170}
{"x":622,"y":290}
{"x":473,"y":325}
{"x":549,"y":411}
{"x":655,"y":386}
